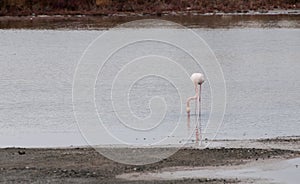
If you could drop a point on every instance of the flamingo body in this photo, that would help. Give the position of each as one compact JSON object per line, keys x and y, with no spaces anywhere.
{"x":197,"y":78}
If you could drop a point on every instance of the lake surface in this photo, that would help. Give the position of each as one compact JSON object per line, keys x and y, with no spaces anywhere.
{"x":260,"y":65}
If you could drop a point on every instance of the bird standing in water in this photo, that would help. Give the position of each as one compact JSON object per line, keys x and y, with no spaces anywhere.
{"x":198,"y":79}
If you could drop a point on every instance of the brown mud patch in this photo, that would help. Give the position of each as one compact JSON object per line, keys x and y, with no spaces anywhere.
{"x":83,"y":165}
{"x":144,"y":7}
{"x":190,"y":21}
{"x":103,"y":14}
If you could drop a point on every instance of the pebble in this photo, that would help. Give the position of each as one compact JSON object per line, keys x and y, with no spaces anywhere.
{"x":21,"y":152}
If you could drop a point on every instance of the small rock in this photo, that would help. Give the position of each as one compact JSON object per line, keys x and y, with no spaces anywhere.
{"x":21,"y":152}
{"x":26,"y":167}
{"x":296,"y":166}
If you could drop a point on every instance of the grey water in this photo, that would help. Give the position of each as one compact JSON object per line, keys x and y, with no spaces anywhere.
{"x":266,"y":172}
{"x":260,"y":66}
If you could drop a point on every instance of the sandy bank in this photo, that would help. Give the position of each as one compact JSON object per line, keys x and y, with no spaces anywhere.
{"x":83,"y":165}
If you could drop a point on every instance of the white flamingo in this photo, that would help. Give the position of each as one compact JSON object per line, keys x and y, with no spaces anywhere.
{"x":198,"y":79}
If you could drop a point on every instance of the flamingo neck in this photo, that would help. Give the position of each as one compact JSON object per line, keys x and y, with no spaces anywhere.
{"x":196,"y":97}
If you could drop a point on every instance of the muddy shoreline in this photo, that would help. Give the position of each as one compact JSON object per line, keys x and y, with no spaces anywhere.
{"x":105,"y":14}
{"x":81,"y":22}
{"x":143,"y":7}
{"x":85,"y":165}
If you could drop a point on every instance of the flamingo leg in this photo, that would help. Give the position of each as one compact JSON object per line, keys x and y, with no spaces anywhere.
{"x":188,"y":123}
{"x":199,"y":111}
{"x":197,"y":136}
{"x":197,"y":99}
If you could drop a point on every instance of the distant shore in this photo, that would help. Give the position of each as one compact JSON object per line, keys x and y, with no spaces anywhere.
{"x":272,"y":19}
{"x":105,"y":14}
{"x":139,"y":7}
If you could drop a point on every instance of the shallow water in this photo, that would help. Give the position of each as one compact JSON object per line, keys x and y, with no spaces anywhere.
{"x":266,"y":172}
{"x":37,"y":66}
